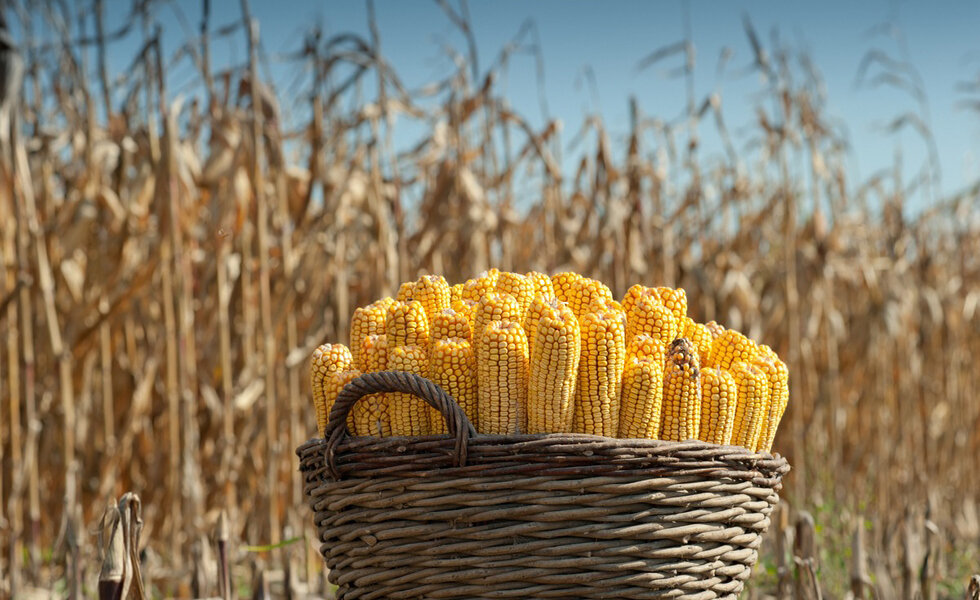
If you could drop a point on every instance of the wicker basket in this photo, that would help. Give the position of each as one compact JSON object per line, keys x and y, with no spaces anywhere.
{"x":531,"y":516}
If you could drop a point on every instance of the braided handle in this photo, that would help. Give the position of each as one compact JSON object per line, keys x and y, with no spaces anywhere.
{"x":396,"y":381}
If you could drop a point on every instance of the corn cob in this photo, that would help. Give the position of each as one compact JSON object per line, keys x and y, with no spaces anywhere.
{"x":675,"y":300}
{"x":731,"y":347}
{"x":562,"y":284}
{"x":541,"y":282}
{"x":327,"y":359}
{"x":646,"y":346}
{"x":452,"y":366}
{"x":641,"y":408}
{"x":719,"y":398}
{"x":682,"y":393}
{"x":371,"y":412}
{"x":632,"y":295}
{"x":406,"y":292}
{"x":778,"y":396}
{"x":752,"y":409}
{"x":502,"y":367}
{"x":699,"y":336}
{"x":433,"y":292}
{"x":715,"y":329}
{"x":449,"y":324}
{"x":650,"y":316}
{"x":366,"y":320}
{"x":455,"y":293}
{"x":332,"y":386}
{"x":408,"y":414}
{"x":518,"y":286}
{"x":600,"y":374}
{"x":587,"y":295}
{"x":474,"y":289}
{"x":541,"y":306}
{"x":406,"y":324}
{"x":492,"y":307}
{"x":555,"y":353}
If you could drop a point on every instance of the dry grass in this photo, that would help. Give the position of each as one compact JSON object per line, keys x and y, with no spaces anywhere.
{"x":169,"y":264}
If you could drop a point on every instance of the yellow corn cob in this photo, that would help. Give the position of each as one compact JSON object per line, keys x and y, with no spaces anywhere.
{"x":778,"y":396}
{"x":675,"y":300}
{"x":449,"y":324}
{"x":433,"y":292}
{"x":646,"y":346}
{"x":682,"y":393}
{"x":541,"y":306}
{"x":632,"y":295}
{"x":455,"y":293}
{"x":555,"y":352}
{"x":752,"y":409}
{"x":715,"y":329}
{"x":331,"y":387}
{"x":327,"y":359}
{"x":640,"y":411}
{"x":719,"y":398}
{"x":502,"y":367}
{"x":699,"y":336}
{"x":366,"y":320}
{"x":587,"y":295}
{"x":474,"y":289}
{"x":406,"y":324}
{"x":518,"y":286}
{"x":406,"y":291}
{"x":600,"y":374}
{"x":731,"y":347}
{"x":562,"y":284}
{"x":493,"y":307}
{"x":371,"y":412}
{"x":541,"y":282}
{"x":408,"y":414}
{"x":650,"y":316}
{"x":452,"y":366}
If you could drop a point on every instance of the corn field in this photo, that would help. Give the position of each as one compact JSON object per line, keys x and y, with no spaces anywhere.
{"x":171,"y":258}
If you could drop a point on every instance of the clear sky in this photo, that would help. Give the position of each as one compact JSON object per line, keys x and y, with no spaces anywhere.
{"x":610,"y":38}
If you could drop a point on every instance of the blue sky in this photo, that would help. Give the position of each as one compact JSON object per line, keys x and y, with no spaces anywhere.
{"x":610,"y":38}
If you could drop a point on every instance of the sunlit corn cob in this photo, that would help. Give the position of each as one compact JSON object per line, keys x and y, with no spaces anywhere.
{"x":406,"y":291}
{"x":715,"y":329}
{"x":540,"y":307}
{"x":502,"y":366}
{"x":632,"y":295}
{"x":433,"y":292}
{"x":449,"y":324}
{"x":731,"y":347}
{"x":753,"y":404}
{"x":600,"y":374}
{"x":518,"y":286}
{"x":371,"y":412}
{"x":332,"y":386}
{"x":455,"y":293}
{"x":588,"y":295}
{"x":699,"y":336}
{"x":327,"y":359}
{"x":650,"y":316}
{"x":554,"y":362}
{"x":719,"y":398}
{"x":562,"y":284}
{"x":493,"y":307}
{"x":406,"y":324}
{"x":675,"y":299}
{"x":682,"y":393}
{"x":641,"y":407}
{"x":778,"y":396}
{"x":366,"y":320}
{"x":646,"y":346}
{"x":452,"y":366}
{"x":478,"y":287}
{"x":541,"y":282}
{"x":408,"y":414}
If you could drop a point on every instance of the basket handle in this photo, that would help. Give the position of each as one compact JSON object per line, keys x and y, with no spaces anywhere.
{"x":396,"y":381}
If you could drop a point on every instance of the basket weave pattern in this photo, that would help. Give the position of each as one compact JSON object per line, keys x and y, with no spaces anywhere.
{"x":531,"y":516}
